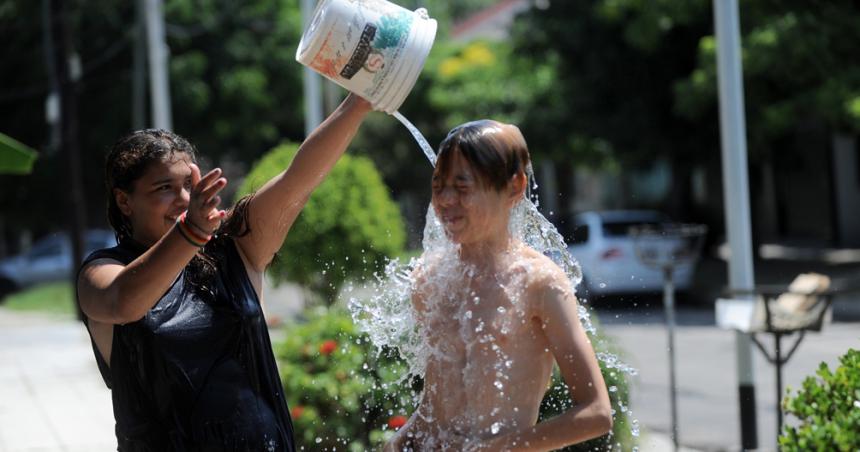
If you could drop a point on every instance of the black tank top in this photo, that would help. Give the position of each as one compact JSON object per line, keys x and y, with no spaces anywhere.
{"x":197,"y":373}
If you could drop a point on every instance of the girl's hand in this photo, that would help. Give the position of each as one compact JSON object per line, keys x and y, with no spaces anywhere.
{"x":355,"y":101}
{"x":203,"y":213}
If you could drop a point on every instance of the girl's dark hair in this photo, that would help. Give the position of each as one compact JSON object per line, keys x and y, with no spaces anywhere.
{"x":494,"y":153}
{"x":128,"y":160}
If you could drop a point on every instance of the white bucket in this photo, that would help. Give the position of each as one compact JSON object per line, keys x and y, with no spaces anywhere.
{"x":373,"y":48}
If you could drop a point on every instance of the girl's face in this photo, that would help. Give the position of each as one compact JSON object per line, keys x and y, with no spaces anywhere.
{"x":470,"y":212}
{"x":157,"y":198}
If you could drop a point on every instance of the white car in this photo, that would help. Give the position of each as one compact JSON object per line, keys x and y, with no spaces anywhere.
{"x":605,"y":248}
{"x":49,"y":259}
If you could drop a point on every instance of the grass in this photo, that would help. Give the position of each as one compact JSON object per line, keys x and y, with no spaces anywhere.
{"x":50,"y":298}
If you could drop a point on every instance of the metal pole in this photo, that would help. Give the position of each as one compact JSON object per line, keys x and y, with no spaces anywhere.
{"x":778,"y":364}
{"x":159,"y":83}
{"x":313,"y":95}
{"x":736,"y":192}
{"x":138,"y":76}
{"x":669,"y":306}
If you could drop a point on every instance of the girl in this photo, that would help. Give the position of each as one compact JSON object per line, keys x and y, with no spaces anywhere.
{"x":174,"y":309}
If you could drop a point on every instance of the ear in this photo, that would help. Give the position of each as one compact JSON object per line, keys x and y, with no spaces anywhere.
{"x":122,"y":201}
{"x":517,"y":187}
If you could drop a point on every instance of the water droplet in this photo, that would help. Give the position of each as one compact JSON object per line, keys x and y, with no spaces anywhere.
{"x":602,"y":285}
{"x":494,"y":429}
{"x":501,"y":310}
{"x":498,"y":384}
{"x":613,"y":389}
{"x":318,"y":440}
{"x":468,"y":314}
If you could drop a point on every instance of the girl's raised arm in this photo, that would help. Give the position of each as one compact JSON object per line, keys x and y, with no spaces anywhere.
{"x":275,"y":206}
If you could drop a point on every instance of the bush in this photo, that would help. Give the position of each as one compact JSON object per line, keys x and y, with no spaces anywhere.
{"x":349,"y":225}
{"x":828,"y":408}
{"x":342,"y":395}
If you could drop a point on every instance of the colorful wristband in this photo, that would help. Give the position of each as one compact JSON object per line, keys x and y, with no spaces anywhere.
{"x":189,"y":235}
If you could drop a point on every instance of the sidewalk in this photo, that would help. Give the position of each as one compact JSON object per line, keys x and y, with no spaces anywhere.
{"x":52,"y":397}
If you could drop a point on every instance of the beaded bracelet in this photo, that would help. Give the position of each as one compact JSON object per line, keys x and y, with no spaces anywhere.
{"x":189,"y":235}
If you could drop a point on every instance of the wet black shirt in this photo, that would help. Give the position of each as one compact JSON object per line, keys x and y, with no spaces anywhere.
{"x":197,"y":373}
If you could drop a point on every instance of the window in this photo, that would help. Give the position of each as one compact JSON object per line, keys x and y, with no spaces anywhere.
{"x":580,"y":234}
{"x":623,"y":228}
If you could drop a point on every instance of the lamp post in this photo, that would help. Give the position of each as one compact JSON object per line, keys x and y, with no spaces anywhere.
{"x":666,"y":247}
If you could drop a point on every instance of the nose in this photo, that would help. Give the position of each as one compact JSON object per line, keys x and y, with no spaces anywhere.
{"x":184,"y":197}
{"x":446,"y":196}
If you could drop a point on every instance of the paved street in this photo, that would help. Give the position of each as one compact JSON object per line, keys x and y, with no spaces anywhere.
{"x":707,"y":386}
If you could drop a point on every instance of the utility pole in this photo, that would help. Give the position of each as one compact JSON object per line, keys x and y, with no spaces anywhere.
{"x":736,"y":193}
{"x":159,"y":83}
{"x":64,"y":84}
{"x":313,"y":95}
{"x":138,"y":75}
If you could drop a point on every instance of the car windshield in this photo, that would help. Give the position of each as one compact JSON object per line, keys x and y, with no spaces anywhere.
{"x":623,"y":228}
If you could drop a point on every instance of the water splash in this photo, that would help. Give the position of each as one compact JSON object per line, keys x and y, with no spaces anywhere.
{"x":387,"y":316}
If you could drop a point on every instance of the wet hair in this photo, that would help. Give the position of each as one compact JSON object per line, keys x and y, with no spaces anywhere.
{"x":128,"y":160}
{"x":494,"y":155}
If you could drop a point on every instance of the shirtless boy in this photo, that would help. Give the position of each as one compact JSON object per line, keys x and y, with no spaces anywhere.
{"x":496,"y":315}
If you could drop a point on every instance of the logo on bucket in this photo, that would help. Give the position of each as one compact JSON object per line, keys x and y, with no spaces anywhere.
{"x":362,"y":51}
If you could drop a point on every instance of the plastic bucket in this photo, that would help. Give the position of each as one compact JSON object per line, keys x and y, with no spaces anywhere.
{"x":373,"y":48}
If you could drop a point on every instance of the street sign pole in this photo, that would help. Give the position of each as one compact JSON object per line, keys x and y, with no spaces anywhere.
{"x":313,"y":92}
{"x":736,"y":193}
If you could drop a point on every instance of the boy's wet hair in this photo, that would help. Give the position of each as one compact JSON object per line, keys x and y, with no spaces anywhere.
{"x":495,"y":151}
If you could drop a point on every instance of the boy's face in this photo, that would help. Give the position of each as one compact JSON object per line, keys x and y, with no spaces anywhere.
{"x":469,"y":211}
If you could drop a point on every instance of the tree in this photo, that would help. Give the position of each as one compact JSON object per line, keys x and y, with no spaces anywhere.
{"x":347,"y":229}
{"x":236,"y":90}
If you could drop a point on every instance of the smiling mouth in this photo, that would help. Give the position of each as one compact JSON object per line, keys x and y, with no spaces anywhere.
{"x":450,"y":220}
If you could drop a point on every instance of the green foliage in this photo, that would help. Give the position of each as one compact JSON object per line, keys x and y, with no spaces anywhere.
{"x":338,"y":389}
{"x":798,"y":69}
{"x":484,"y":79}
{"x":348,"y":227}
{"x":233,"y":74}
{"x":51,"y":298}
{"x":828,"y":408}
{"x":615,"y":65}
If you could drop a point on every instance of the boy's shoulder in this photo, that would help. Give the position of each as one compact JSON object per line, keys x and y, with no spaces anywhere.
{"x":541,"y":271}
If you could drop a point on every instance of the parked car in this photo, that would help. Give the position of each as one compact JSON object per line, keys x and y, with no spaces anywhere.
{"x":49,"y":259}
{"x":605,"y":248}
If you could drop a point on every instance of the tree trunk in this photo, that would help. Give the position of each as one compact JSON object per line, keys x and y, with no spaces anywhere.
{"x":65,"y":86}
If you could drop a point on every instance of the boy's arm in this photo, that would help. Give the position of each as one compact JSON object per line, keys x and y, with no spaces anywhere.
{"x":274,"y":207}
{"x":591,"y":416}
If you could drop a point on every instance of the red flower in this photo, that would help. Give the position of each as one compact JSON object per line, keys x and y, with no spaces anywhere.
{"x":395,"y":422}
{"x":328,"y":347}
{"x":297,"y":411}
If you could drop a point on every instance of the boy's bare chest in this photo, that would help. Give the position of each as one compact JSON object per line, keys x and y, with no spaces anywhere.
{"x":480,"y":314}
